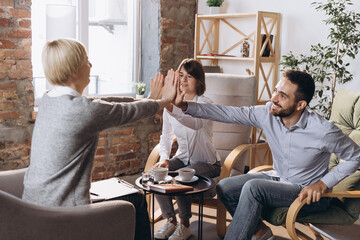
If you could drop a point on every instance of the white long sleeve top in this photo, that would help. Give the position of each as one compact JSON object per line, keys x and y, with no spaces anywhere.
{"x":194,"y":136}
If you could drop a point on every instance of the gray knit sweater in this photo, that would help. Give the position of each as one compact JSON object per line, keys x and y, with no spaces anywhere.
{"x":64,"y":142}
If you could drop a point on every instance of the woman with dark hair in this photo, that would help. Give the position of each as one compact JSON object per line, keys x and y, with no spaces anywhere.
{"x":195,"y":148}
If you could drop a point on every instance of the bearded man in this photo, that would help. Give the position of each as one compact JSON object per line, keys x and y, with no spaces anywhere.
{"x":301,"y":142}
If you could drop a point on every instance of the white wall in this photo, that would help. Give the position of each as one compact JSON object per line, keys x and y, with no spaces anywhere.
{"x":302,"y":26}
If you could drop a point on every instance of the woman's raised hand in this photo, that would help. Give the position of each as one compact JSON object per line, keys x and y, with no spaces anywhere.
{"x":156,"y":87}
{"x":179,"y":99}
{"x":170,"y":88}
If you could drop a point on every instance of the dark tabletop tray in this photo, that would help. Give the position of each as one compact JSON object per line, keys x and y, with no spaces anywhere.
{"x":201,"y":185}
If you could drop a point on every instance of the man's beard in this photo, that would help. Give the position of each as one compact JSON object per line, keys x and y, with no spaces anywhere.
{"x":283,"y":112}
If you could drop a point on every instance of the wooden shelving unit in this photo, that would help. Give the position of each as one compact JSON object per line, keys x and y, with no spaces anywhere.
{"x":207,"y":32}
{"x":265,"y":69}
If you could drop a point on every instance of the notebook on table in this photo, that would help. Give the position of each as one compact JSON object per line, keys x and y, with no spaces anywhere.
{"x":110,"y":188}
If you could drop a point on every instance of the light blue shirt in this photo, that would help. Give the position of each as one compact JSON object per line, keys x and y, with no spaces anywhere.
{"x":300,"y":154}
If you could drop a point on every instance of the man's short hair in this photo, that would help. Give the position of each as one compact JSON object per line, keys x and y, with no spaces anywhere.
{"x":195,"y":69}
{"x":305,"y":83}
{"x":61,"y":58}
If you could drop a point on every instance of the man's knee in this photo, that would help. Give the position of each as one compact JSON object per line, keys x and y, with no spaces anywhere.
{"x":222,"y":188}
{"x":253,"y":189}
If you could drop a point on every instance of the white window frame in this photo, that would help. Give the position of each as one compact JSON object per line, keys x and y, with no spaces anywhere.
{"x":134,"y":24}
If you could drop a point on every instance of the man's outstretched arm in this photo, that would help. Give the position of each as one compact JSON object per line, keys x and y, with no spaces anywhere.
{"x":227,"y":114}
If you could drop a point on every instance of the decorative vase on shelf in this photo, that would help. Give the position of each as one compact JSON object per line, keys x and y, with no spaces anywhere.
{"x":138,"y":96}
{"x":214,"y":10}
{"x":245,"y":48}
{"x":267,"y":50}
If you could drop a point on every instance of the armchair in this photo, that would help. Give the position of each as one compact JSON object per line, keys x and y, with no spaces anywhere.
{"x":345,"y":205}
{"x":232,"y":141}
{"x":23,"y":220}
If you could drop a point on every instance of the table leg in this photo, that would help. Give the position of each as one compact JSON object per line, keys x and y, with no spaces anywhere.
{"x":201,"y":213}
{"x":153,"y":216}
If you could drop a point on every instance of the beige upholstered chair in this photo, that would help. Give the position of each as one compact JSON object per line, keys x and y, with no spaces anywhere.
{"x":232,"y":141}
{"x":231,"y":90}
{"x":23,"y":220}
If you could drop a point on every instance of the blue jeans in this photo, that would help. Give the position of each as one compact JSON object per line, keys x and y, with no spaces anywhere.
{"x":245,"y":195}
{"x":184,"y":202}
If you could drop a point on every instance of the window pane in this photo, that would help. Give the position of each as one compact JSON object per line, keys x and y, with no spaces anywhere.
{"x":110,"y":47}
{"x":110,"y":39}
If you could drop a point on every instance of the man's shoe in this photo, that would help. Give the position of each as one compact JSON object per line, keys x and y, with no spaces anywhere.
{"x":181,"y":233}
{"x":165,"y":231}
{"x":267,"y":236}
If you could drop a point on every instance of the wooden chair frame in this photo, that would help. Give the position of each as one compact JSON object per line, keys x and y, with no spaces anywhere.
{"x":296,"y":206}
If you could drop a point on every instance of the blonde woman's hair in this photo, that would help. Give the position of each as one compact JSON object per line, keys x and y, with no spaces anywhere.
{"x":61,"y":58}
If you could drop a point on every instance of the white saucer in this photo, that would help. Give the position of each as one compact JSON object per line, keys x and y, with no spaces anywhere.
{"x":168,"y":178}
{"x":194,"y":178}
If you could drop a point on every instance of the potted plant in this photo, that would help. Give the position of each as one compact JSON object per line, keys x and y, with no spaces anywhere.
{"x":140,"y":88}
{"x":328,"y":64}
{"x":214,"y":5}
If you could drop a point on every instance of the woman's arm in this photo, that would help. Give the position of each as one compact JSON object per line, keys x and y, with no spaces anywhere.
{"x":103,"y":114}
{"x":166,"y":138}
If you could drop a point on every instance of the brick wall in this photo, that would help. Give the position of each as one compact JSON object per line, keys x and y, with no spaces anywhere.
{"x":16,"y":91}
{"x":177,"y":30}
{"x":124,"y":150}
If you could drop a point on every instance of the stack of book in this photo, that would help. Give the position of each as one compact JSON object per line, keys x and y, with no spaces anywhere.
{"x":170,"y":188}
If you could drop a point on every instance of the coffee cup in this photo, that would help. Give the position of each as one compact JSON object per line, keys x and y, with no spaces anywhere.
{"x":159,"y":173}
{"x":186,"y":174}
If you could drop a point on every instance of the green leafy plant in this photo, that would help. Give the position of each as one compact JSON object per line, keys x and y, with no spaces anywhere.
{"x":214,"y":3}
{"x":328,"y":64}
{"x":140,"y":88}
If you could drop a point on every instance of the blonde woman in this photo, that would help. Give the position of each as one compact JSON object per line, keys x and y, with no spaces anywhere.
{"x":66,"y":132}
